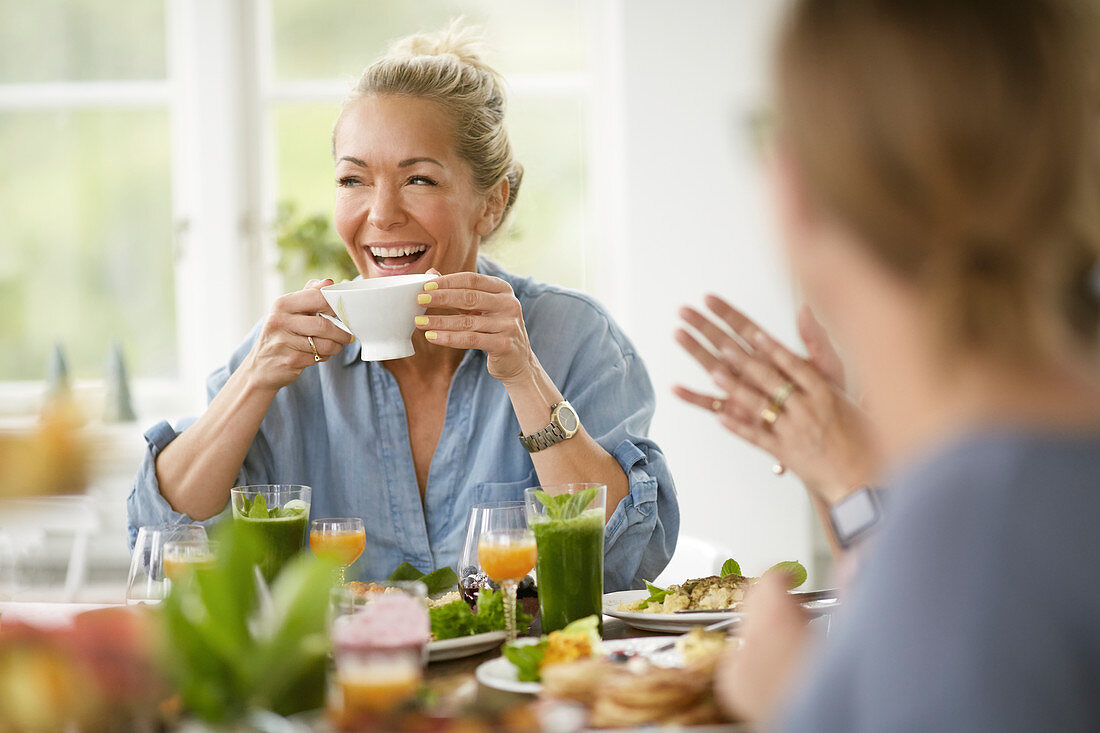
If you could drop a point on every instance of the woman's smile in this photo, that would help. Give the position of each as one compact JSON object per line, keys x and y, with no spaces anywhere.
{"x":399,"y":258}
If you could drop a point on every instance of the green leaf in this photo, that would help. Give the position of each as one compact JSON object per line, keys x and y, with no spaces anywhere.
{"x":405,"y":571}
{"x":578,"y":502}
{"x":795,"y":572}
{"x":656,"y":595}
{"x":526,"y":658}
{"x":258,"y":510}
{"x":730,"y":567}
{"x":552,"y":503}
{"x":455,"y":619}
{"x":440,"y":580}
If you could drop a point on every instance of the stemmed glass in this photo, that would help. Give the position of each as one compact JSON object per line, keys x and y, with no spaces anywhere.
{"x":506,"y":552}
{"x":146,"y":582}
{"x":340,"y":539}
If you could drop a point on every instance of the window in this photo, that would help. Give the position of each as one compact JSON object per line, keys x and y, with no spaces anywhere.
{"x":85,"y":146}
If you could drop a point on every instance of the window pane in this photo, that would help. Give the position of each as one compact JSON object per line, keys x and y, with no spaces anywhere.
{"x":545,"y":235}
{"x":338,"y":39}
{"x":86,"y":238}
{"x":79,"y":40}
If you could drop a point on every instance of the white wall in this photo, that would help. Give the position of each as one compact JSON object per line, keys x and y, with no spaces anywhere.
{"x":687,"y":213}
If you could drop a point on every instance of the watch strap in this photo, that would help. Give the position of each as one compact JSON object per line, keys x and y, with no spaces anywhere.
{"x":548,"y":436}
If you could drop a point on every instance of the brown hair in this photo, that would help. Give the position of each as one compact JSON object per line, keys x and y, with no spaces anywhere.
{"x":447,"y":68}
{"x":959,"y":138}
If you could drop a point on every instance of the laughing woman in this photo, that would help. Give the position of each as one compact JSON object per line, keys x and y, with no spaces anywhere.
{"x":424,"y":174}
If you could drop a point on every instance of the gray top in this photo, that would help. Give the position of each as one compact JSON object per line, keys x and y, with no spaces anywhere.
{"x":978,"y":607}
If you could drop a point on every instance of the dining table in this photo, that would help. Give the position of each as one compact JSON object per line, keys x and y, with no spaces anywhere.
{"x":454,"y":677}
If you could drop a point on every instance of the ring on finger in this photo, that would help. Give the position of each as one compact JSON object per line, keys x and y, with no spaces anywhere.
{"x":313,"y":347}
{"x":782,"y":395}
{"x":770,"y":414}
{"x":717,"y":405}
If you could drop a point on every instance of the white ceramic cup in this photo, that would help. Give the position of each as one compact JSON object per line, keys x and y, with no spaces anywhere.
{"x":379,"y":311}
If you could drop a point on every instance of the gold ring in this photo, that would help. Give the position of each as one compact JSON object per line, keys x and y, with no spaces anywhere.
{"x":769,"y":415}
{"x":717,"y":405}
{"x":316,"y":356}
{"x":782,"y":394}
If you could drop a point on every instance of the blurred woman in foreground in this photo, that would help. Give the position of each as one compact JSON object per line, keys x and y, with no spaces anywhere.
{"x":937,"y":170}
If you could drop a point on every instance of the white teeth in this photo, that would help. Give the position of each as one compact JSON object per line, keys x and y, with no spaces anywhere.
{"x":397,"y":251}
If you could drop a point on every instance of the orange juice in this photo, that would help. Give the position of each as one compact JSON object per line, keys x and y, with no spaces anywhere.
{"x":178,"y":568}
{"x":377,"y":691}
{"x":343,"y":547}
{"x":511,"y":561}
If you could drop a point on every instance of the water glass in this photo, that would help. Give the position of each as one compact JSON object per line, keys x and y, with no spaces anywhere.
{"x":146,"y":582}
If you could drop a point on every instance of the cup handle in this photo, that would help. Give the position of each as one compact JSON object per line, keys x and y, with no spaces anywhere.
{"x":336,"y":322}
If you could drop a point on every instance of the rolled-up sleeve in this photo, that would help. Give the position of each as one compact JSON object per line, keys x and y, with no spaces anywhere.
{"x":145,"y":506}
{"x":616,"y":406}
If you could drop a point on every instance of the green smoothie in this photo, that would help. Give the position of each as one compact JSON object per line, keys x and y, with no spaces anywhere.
{"x":570,"y":568}
{"x":282,"y":532}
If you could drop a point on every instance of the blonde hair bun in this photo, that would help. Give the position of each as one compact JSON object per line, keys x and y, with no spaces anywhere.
{"x":465,"y":43}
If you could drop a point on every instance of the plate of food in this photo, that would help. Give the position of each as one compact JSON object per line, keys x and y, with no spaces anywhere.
{"x":703,"y":601}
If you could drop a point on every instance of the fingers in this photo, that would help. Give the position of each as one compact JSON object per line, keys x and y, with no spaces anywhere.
{"x":804,"y":375}
{"x":309,"y":300}
{"x":310,"y":325}
{"x":700,"y":353}
{"x":490,"y":343}
{"x":731,"y":417}
{"x":462,"y":322}
{"x":822,"y":353}
{"x":472,"y":281}
{"x":699,"y":399}
{"x":318,"y":284}
{"x":470,"y":300}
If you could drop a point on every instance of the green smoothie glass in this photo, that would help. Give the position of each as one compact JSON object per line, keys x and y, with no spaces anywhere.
{"x":568,"y":520}
{"x":277,"y":514}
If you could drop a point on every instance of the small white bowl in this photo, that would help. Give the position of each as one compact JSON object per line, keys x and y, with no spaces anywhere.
{"x":379,"y":311}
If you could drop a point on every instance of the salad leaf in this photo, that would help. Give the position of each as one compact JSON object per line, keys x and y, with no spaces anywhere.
{"x":405,"y":571}
{"x":730,"y":567}
{"x":656,"y":595}
{"x":526,"y":658}
{"x":437,"y":581}
{"x":455,"y":619}
{"x":795,"y":572}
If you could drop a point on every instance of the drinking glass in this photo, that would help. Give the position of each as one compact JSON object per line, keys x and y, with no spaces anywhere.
{"x":182,"y":558}
{"x":146,"y":582}
{"x":276,"y":514}
{"x":568,"y":521}
{"x":340,"y":539}
{"x":506,"y":551}
{"x":380,"y":646}
{"x":471,"y":578}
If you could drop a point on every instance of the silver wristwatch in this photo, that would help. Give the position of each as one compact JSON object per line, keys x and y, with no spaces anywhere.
{"x":855,"y":515}
{"x":564,"y":424}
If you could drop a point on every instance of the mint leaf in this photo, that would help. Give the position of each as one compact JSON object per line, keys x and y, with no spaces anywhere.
{"x":527,"y":659}
{"x":552,"y":503}
{"x":730,"y":567}
{"x":258,"y":510}
{"x":796,"y":574}
{"x":579,"y":502}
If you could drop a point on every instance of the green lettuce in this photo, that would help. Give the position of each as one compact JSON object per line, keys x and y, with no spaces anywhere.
{"x":455,"y":619}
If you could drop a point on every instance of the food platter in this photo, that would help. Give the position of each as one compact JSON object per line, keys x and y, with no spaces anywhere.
{"x":500,"y":674}
{"x":684,"y":621}
{"x":464,"y":646}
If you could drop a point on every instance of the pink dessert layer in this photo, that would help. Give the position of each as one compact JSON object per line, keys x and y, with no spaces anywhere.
{"x":389,"y":621}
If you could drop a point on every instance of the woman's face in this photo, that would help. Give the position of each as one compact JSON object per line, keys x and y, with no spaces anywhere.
{"x":405,"y":201}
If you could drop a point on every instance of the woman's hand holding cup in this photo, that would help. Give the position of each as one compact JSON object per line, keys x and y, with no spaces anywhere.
{"x":294,"y":336}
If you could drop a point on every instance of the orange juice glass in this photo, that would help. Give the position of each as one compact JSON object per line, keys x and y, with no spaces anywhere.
{"x":340,"y":539}
{"x":506,"y":551}
{"x":182,"y":558}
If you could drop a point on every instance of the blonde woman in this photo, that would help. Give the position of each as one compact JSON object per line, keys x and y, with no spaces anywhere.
{"x":937,"y":167}
{"x":424,"y":175}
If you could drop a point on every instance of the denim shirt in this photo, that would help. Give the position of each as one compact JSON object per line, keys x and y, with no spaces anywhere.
{"x":341,"y":429}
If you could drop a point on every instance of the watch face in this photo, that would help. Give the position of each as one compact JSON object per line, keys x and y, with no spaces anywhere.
{"x":568,"y":419}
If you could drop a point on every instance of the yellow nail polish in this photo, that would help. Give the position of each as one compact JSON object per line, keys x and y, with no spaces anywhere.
{"x":431,"y":335}
{"x":423,"y":299}
{"x":421,"y":320}
{"x":431,"y":285}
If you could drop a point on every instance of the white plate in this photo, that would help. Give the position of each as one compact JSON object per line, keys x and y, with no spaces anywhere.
{"x":500,"y":674}
{"x":681,"y":622}
{"x":676,"y":622}
{"x":464,"y":646}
